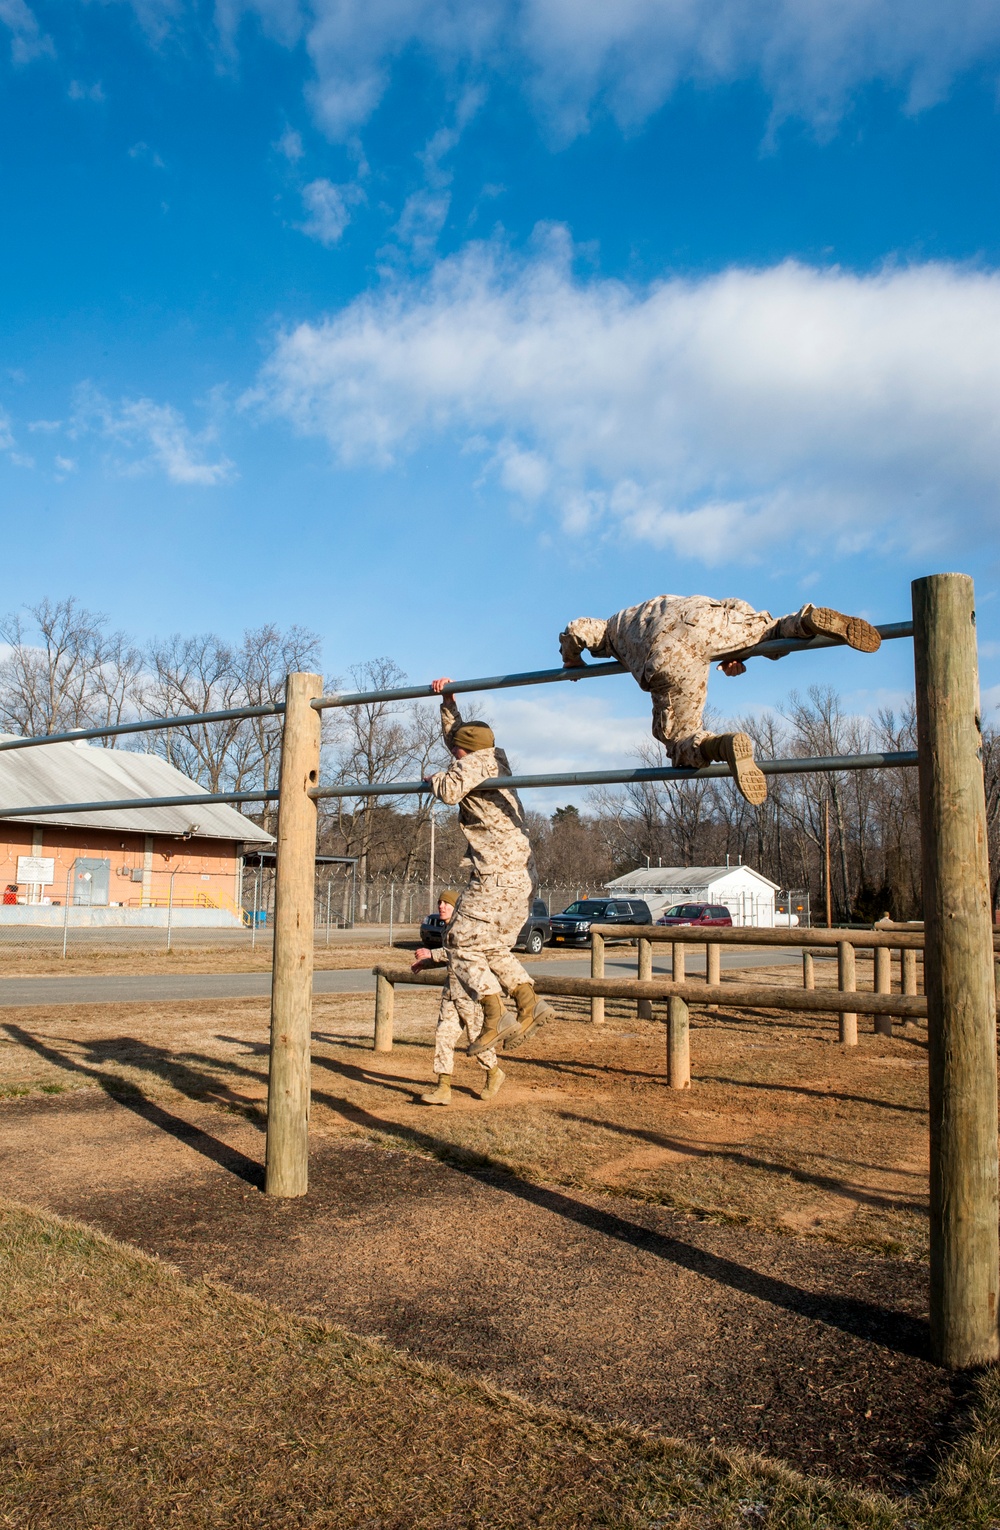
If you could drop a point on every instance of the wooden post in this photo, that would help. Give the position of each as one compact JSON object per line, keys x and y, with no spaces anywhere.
{"x":908,"y":971}
{"x":596,"y":970}
{"x":677,"y":962}
{"x":294,"y":917}
{"x":713,"y":967}
{"x":808,"y":970}
{"x":847,"y":982}
{"x":883,"y":984}
{"x":958,"y":975}
{"x":678,"y":1044}
{"x":828,"y":882}
{"x":644,"y":1007}
{"x":385,"y":1001}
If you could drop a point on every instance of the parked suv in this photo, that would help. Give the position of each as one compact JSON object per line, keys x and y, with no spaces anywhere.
{"x":696,"y":913}
{"x":572,"y":926}
{"x":533,"y":935}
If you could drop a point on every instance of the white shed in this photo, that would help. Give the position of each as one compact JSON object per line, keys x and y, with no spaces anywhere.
{"x":747,"y":895}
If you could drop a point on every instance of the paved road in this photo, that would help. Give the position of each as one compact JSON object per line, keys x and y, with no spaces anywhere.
{"x":121,"y":989}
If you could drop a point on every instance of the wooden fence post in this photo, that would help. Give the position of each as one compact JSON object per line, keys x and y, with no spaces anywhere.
{"x":713,"y":967}
{"x":644,"y":972}
{"x":883,"y":984}
{"x":597,"y":971}
{"x":678,"y":1044}
{"x":958,"y":975}
{"x":847,"y":982}
{"x":908,"y":971}
{"x":808,"y":970}
{"x":287,"y":1170}
{"x":678,"y":965}
{"x":385,"y":1001}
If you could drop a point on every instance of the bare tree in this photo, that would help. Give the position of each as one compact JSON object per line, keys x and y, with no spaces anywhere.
{"x":64,"y":669}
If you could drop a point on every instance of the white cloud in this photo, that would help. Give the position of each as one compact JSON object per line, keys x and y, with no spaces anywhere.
{"x":28,"y":41}
{"x":6,"y":434}
{"x":79,"y":92}
{"x":155,"y":435}
{"x":716,"y":417}
{"x":329,"y":209}
{"x":628,"y":57}
{"x":290,"y":145}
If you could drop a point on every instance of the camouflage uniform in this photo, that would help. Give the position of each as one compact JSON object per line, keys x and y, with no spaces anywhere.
{"x":459,"y":1012}
{"x":502,"y":879}
{"x":668,"y":644}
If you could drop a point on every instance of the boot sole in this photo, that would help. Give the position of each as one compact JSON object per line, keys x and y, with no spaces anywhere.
{"x":535,"y":1024}
{"x":434,"y":1102}
{"x":855,"y":631}
{"x":475,"y":1047}
{"x":750,"y":779}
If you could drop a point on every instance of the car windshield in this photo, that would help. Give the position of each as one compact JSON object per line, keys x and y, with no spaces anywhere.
{"x":585,"y":906}
{"x":685,"y":911}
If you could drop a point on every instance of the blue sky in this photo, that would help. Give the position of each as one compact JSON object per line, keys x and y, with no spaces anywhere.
{"x":431,"y":325}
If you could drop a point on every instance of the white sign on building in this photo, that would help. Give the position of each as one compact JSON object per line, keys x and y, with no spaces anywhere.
{"x":36,"y":870}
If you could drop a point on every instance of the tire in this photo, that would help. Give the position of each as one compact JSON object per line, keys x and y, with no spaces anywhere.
{"x":534,"y":943}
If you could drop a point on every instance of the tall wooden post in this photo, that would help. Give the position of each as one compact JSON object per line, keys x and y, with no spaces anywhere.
{"x":294,"y":918}
{"x":808,"y":970}
{"x":597,"y":971}
{"x":644,"y":972}
{"x":678,"y":962}
{"x":883,"y":984}
{"x":958,"y":975}
{"x":908,"y":971}
{"x":847,"y":982}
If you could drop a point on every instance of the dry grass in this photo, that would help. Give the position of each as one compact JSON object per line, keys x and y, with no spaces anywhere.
{"x":132,"y":1398}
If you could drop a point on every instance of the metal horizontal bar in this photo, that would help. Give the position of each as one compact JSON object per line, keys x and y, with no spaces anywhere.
{"x":204,"y":799}
{"x":792,"y":767}
{"x":775,"y":648}
{"x":147,"y":726}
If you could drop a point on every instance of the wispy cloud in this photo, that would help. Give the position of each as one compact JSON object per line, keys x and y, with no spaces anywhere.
{"x":717,"y":417}
{"x":28,"y":41}
{"x":79,"y":92}
{"x":155,"y":436}
{"x":329,"y":208}
{"x":576,"y":57}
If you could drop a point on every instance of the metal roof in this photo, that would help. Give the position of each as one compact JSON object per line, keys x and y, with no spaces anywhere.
{"x":83,"y":773}
{"x":681,"y":878}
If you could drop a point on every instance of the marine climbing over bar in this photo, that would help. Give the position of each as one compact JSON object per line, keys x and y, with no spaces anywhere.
{"x":502,"y":881}
{"x":668,"y":643}
{"x":458,"y":1012}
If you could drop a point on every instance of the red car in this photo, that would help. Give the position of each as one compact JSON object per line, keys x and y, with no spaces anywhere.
{"x":696,"y":913}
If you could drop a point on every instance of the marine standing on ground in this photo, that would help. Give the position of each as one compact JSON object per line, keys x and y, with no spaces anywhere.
{"x":669,"y":642}
{"x":502,"y":881}
{"x":459,"y":1012}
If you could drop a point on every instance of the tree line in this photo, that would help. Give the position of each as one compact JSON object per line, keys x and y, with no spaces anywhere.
{"x":64,"y":667}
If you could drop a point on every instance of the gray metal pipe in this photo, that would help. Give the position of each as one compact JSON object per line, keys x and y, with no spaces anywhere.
{"x":792,"y":767}
{"x":414,"y":788}
{"x":776,"y":648}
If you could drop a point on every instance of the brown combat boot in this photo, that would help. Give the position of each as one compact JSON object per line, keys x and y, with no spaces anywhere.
{"x":493,"y":1083}
{"x":532,"y":1013}
{"x":736,"y":751}
{"x":855,"y":631}
{"x":440,"y":1095}
{"x":497,"y":1023}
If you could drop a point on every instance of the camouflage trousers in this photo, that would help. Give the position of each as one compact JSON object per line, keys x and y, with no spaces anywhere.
{"x":459,"y":1012}
{"x":482,"y":932}
{"x":679,"y":691}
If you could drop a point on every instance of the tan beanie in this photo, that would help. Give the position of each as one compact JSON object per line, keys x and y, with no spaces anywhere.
{"x":449,"y":895}
{"x":472,"y":736}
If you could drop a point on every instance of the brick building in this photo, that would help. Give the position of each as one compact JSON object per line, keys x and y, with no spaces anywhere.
{"x":116,"y":866}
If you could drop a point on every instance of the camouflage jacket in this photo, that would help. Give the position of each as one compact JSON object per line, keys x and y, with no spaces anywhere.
{"x":492,"y":821}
